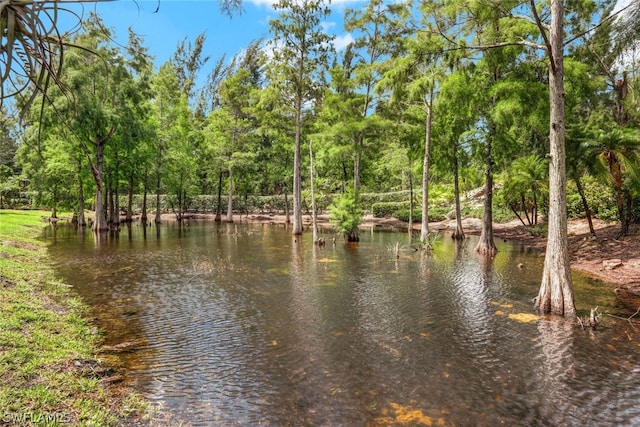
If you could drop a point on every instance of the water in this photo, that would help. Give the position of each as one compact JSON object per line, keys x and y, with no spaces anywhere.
{"x":246,"y":325}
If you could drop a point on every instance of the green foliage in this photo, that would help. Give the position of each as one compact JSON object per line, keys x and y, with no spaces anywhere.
{"x":346,"y":215}
{"x":403,"y":214}
{"x":600,"y":197}
{"x":525,"y":188}
{"x":386,"y":209}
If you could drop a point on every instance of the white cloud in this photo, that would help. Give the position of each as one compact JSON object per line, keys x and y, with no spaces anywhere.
{"x":342,"y":41}
{"x":270,"y":3}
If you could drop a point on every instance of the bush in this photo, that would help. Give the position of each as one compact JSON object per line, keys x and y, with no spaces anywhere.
{"x":438,"y":213}
{"x":384,"y":209}
{"x":346,"y":216}
{"x":599,"y":196}
{"x":403,"y":215}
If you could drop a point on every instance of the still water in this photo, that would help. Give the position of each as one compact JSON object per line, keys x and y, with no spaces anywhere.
{"x":236,"y":324}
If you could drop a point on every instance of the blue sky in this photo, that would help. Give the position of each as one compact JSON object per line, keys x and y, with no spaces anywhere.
{"x":177,"y":19}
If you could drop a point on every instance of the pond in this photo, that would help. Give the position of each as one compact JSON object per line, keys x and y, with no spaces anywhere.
{"x":237,"y":324}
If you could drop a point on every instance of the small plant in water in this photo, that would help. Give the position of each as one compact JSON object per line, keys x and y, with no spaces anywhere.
{"x":346,"y":216}
{"x":428,"y":242}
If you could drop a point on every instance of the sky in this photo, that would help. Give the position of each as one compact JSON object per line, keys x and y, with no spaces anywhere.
{"x":177,"y":19}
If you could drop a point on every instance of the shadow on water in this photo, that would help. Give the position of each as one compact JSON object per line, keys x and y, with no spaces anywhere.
{"x":244,"y":324}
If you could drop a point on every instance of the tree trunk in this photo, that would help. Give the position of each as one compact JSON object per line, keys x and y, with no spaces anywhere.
{"x":459,"y":233}
{"x":158,"y":218}
{"x":410,"y":226}
{"x":486,"y":244}
{"x":81,"y":219}
{"x":357,"y":158}
{"x":585,"y":204}
{"x":116,"y":205}
{"x":115,"y":187}
{"x":424,"y":226}
{"x":100,"y":222}
{"x":626,"y":217}
{"x":129,"y":216}
{"x":314,"y":214}
{"x":219,"y":207}
{"x":230,"y":197}
{"x":143,"y":216}
{"x":297,"y":170}
{"x":286,"y":207}
{"x":556,"y":289}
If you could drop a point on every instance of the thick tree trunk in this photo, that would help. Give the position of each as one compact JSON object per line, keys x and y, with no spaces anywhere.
{"x":556,"y":290}
{"x":424,"y":226}
{"x":486,"y":244}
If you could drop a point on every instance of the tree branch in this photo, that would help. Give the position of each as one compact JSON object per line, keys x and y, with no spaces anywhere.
{"x":543,"y":31}
{"x":605,"y":20}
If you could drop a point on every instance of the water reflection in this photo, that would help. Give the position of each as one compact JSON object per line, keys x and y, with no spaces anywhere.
{"x":237,"y":324}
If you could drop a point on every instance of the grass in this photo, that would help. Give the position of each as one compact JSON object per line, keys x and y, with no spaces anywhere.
{"x":50,"y":371}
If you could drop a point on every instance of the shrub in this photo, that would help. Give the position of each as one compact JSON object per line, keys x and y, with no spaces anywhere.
{"x":346,"y":216}
{"x":599,"y":196}
{"x":383,"y":209}
{"x":403,"y":214}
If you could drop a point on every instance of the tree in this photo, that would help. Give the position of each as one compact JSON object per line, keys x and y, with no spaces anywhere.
{"x":91,"y":115}
{"x":556,"y":290}
{"x":454,"y":117}
{"x":300,"y":52}
{"x":377,"y":30}
{"x":525,"y":188}
{"x":346,"y":216}
{"x":616,"y":152}
{"x":414,"y":75}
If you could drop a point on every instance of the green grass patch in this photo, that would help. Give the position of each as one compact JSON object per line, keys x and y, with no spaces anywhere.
{"x":48,"y":349}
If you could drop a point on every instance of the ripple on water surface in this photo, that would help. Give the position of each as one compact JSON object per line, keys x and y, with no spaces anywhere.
{"x":244,"y":325}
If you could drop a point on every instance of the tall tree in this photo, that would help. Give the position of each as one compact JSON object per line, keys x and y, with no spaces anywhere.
{"x":166,"y":98}
{"x":414,"y":73}
{"x":556,"y":290}
{"x":377,"y":29}
{"x":92,"y":116}
{"x":301,"y":50}
{"x":230,"y":127}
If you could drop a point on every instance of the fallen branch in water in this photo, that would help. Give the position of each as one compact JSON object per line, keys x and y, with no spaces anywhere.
{"x":629,"y":319}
